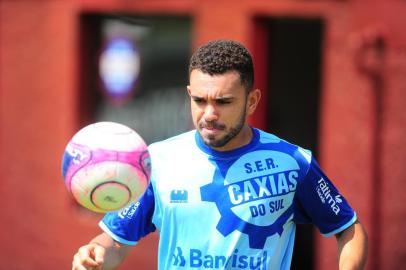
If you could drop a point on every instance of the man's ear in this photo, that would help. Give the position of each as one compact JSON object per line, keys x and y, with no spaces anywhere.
{"x":253,"y":99}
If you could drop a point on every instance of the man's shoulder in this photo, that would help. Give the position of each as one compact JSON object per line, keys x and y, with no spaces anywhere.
{"x":283,"y":145}
{"x":266,"y":137}
{"x":176,"y":142}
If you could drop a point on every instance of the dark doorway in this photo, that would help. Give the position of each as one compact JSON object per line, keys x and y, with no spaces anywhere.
{"x":294,"y":82}
{"x":161,"y":46}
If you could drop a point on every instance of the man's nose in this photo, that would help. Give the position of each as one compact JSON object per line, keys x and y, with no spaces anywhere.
{"x":210,"y":113}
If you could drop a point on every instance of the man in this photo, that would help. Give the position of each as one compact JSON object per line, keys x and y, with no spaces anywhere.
{"x":226,"y":195}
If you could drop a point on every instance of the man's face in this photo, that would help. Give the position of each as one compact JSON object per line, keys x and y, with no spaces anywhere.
{"x":219,"y":108}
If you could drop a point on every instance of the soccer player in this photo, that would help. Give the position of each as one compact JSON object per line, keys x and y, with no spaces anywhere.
{"x":227,"y":195}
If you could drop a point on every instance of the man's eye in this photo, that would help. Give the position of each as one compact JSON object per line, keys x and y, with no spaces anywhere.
{"x":222,"y":102}
{"x":198,"y":100}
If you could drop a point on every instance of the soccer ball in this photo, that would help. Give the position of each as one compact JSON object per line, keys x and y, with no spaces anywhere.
{"x":106,"y":166}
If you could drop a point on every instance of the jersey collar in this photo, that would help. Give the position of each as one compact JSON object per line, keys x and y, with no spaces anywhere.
{"x":225,"y":154}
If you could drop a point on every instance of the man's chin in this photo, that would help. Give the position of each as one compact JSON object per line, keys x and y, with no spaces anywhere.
{"x":214,"y":143}
{"x":212,"y":140}
{"x":207,"y":139}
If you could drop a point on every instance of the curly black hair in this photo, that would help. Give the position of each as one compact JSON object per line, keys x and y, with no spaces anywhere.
{"x":220,"y":56}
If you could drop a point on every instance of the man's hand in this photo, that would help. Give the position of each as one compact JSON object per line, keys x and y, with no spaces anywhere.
{"x":89,"y":257}
{"x":101,"y":253}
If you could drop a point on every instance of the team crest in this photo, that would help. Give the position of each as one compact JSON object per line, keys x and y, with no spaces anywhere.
{"x":254,"y":195}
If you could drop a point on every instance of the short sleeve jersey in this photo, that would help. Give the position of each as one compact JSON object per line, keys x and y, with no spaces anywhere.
{"x":230,"y":210}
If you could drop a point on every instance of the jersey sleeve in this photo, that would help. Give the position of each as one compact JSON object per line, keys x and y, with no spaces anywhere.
{"x":319,"y":202}
{"x":130,"y":224}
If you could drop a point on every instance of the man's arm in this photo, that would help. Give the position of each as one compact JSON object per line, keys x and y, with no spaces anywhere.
{"x":352,"y":247}
{"x":101,"y":253}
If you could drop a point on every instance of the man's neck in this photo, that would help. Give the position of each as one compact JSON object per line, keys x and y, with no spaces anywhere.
{"x":244,"y":137}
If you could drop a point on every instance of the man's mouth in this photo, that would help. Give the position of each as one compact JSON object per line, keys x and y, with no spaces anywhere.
{"x":212,"y":126}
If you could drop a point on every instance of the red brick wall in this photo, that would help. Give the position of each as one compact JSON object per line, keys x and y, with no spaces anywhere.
{"x":38,"y":114}
{"x":348,"y":131}
{"x":37,"y":110}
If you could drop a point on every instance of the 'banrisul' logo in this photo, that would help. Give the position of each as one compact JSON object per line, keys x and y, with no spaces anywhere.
{"x":254,"y":194}
{"x":196,"y":258}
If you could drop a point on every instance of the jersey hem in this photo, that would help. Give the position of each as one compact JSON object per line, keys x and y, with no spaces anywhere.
{"x":114,"y":236}
{"x":342,"y":228}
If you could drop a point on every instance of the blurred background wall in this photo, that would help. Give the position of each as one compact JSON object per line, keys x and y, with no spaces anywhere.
{"x":333,"y":76}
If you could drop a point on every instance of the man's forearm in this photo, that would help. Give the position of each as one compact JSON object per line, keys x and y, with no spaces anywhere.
{"x":352,"y":248}
{"x":115,"y":253}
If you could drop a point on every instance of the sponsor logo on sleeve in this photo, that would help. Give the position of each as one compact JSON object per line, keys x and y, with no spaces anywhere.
{"x":324,"y":192}
{"x":129,"y":211}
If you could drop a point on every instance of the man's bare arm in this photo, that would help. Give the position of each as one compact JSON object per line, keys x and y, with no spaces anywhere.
{"x":101,"y":253}
{"x":352,"y":247}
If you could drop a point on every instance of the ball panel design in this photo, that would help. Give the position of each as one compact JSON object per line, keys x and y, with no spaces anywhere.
{"x":109,"y":136}
{"x":87,"y":180}
{"x":75,"y":157}
{"x":106,"y":166}
{"x":109,"y":196}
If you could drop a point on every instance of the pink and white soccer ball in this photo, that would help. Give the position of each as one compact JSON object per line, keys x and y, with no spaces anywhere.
{"x":106,"y":166}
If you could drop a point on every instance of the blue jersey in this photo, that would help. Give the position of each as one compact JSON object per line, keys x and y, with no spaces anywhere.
{"x":230,"y":210}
